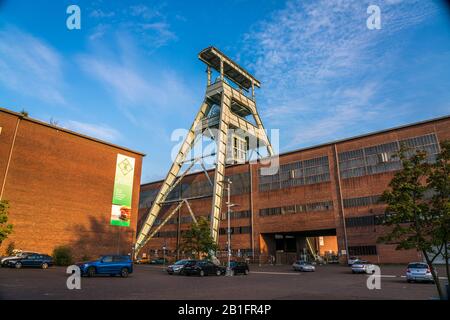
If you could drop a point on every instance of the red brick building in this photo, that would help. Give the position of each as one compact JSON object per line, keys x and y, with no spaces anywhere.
{"x":324,"y":197}
{"x":59,"y":185}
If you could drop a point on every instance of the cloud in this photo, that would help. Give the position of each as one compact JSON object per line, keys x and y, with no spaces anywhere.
{"x":30,"y":67}
{"x":321,"y":69}
{"x":135,"y":84}
{"x":99,"y":131}
{"x":148,"y":23}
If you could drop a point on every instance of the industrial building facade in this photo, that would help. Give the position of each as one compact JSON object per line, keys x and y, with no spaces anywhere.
{"x":324,"y":199}
{"x":61,"y":187}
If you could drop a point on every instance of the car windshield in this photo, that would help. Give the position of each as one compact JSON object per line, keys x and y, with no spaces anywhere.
{"x":181,"y":262}
{"x":361,"y":262}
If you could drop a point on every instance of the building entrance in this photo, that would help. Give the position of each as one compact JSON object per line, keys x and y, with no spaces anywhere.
{"x":285,"y":248}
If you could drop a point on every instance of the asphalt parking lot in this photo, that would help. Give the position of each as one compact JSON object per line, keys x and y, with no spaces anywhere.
{"x":329,"y":282}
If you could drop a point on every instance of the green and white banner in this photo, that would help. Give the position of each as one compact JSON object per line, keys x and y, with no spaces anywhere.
{"x":123,"y":191}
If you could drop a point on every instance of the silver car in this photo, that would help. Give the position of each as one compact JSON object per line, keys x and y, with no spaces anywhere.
{"x":363,"y":266}
{"x":418,"y":271}
{"x":303,"y":266}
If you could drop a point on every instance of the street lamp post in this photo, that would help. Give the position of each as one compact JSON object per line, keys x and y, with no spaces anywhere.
{"x":229,"y":205}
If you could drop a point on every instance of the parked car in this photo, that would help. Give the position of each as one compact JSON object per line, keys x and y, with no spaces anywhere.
{"x":110,"y":264}
{"x":363,"y":266}
{"x":16,"y":255}
{"x":239,"y":267}
{"x":143,"y":260}
{"x":177,"y":267}
{"x":35,"y":260}
{"x":302,"y":265}
{"x":202,"y":268}
{"x":419,"y":271}
{"x":351,"y":260}
{"x":158,"y":261}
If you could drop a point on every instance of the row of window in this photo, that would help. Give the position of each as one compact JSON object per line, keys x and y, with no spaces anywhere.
{"x":296,"y":174}
{"x":297,"y":208}
{"x":362,"y":251}
{"x":241,"y":185}
{"x":354,"y":163}
{"x":236,"y":214}
{"x":236,"y":230}
{"x":382,"y":157}
{"x":363,"y":221}
{"x":361,"y":201}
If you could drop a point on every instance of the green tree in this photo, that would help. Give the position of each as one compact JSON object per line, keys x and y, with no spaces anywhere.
{"x":439,"y":181}
{"x":411,"y":220}
{"x":198,"y":240}
{"x":5,"y":228}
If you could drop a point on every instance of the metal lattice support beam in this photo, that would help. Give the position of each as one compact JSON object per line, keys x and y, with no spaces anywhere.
{"x":168,"y":183}
{"x":219,"y":174}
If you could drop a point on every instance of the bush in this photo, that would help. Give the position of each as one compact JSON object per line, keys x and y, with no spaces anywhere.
{"x":62,"y":256}
{"x":10,"y":249}
{"x":85,"y":258}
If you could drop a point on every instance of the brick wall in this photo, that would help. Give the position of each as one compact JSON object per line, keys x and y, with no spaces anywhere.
{"x":60,"y":188}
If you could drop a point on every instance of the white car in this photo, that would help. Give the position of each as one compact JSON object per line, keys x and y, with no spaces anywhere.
{"x":362,"y":266}
{"x":303,"y":266}
{"x":351,"y":260}
{"x":419,"y":271}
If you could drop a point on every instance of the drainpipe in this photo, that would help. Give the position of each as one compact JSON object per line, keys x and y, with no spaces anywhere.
{"x":341,"y":201}
{"x":10,"y":156}
{"x":252,"y":234}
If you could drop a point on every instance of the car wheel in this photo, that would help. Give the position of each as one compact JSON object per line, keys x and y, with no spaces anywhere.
{"x":124,"y":272}
{"x":18,"y":265}
{"x":408,"y":280}
{"x":202,"y":273}
{"x":91,"y":272}
{"x":353,"y":272}
{"x":246,"y":272}
{"x":44,"y":265}
{"x":218,"y":272}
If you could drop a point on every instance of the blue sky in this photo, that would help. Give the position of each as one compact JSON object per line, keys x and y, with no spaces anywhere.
{"x":131,"y":74}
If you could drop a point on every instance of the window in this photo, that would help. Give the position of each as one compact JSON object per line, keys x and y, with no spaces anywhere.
{"x":107,"y":259}
{"x":239,"y":149}
{"x":362,"y":251}
{"x":361,"y":201}
{"x":382,"y":157}
{"x":298,"y":173}
{"x":298,"y":208}
{"x":362,"y":221}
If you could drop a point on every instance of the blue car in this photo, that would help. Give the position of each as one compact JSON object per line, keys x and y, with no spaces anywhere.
{"x":111,"y":265}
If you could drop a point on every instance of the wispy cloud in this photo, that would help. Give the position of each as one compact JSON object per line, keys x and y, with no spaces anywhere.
{"x":96,"y":130}
{"x":320,"y":66}
{"x":30,"y":67}
{"x":136,"y":85}
{"x":148,"y":22}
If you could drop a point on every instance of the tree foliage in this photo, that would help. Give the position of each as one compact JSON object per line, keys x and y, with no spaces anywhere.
{"x":5,"y":227}
{"x":418,"y":205}
{"x":198,"y":240}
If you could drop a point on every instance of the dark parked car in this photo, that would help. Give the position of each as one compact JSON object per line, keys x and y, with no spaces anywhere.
{"x":239,"y":267}
{"x":112,"y":265}
{"x":158,"y":261}
{"x":35,"y":260}
{"x":202,"y":268}
{"x":20,"y":254}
